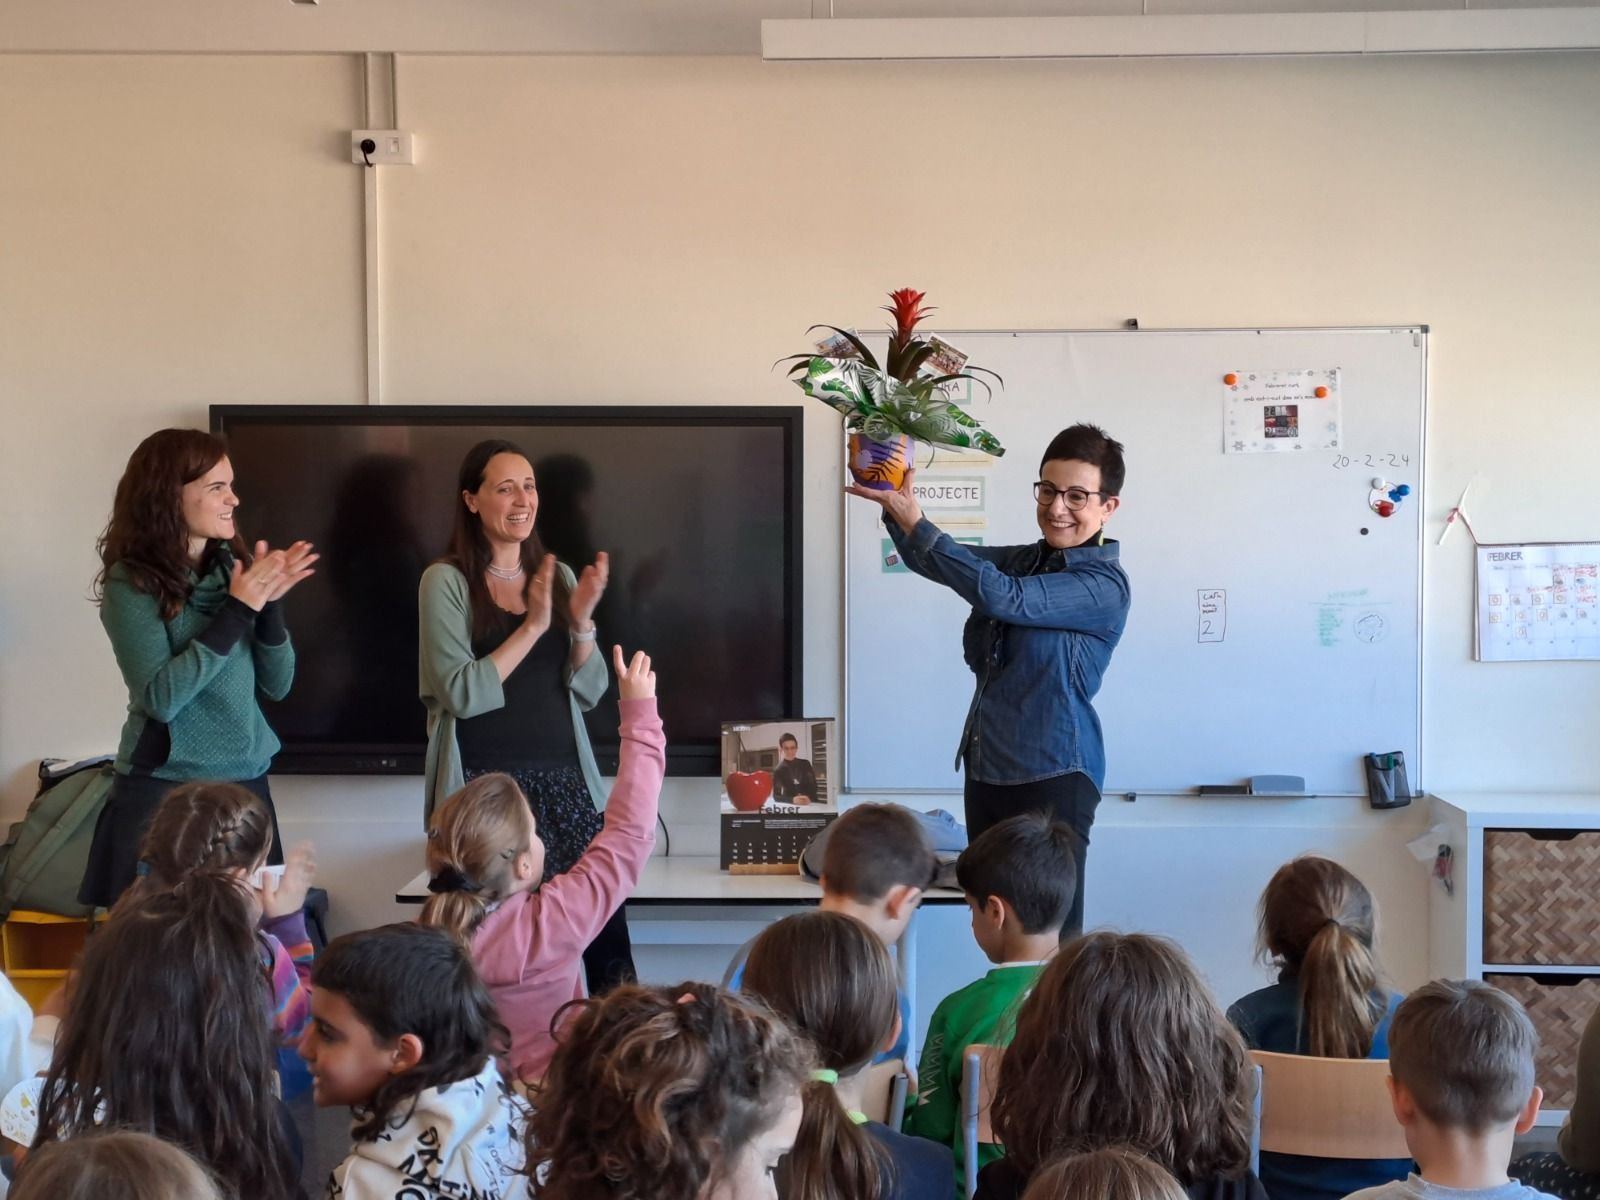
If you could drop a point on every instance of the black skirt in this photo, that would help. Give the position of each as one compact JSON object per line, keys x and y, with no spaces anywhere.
{"x":119,"y":833}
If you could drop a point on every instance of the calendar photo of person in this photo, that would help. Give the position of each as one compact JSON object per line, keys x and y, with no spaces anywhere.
{"x":779,"y":790}
{"x":784,"y":764}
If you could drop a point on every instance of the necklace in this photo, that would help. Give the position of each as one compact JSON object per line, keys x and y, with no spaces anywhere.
{"x":502,"y":573}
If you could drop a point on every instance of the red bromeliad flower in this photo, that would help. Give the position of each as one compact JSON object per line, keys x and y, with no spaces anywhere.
{"x":906,"y":308}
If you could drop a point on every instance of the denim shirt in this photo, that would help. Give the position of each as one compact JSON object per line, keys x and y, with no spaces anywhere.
{"x":1044,"y":623}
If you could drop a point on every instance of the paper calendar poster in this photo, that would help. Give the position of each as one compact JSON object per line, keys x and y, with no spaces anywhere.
{"x":779,"y":790}
{"x":1264,"y":412}
{"x":1538,"y":602}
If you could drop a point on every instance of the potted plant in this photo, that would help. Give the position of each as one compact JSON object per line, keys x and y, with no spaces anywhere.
{"x":888,"y":408}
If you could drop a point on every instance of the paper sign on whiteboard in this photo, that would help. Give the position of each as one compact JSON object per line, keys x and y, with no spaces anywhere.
{"x":1538,"y":602}
{"x":1268,"y":411}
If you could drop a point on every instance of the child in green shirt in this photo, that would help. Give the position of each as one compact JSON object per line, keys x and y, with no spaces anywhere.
{"x":1020,"y":879}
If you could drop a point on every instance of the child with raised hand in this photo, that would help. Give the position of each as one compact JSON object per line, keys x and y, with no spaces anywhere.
{"x":1461,"y":1078}
{"x":120,"y":1165}
{"x":486,"y":863}
{"x":680,"y":1093}
{"x":224,"y":827}
{"x":833,"y":981}
{"x":406,"y":1035}
{"x":1318,"y":926}
{"x":1112,"y":1173}
{"x":1020,"y":877}
{"x":164,"y":1034}
{"x":1121,"y":1044}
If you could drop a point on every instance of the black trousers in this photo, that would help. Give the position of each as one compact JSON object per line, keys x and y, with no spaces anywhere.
{"x":119,"y":834}
{"x":1069,"y":798}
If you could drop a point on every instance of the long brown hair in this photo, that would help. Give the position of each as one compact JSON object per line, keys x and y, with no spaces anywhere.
{"x":1112,"y":1173}
{"x":147,"y":534}
{"x":168,"y":1033}
{"x":654,"y":1093}
{"x":1318,"y":921}
{"x":1121,"y":1042}
{"x":201,"y":827}
{"x":473,"y":842}
{"x":113,"y":1165}
{"x":831,"y":978}
{"x":469,"y":546}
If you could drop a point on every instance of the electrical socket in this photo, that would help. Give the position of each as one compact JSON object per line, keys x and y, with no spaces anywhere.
{"x":394,"y":147}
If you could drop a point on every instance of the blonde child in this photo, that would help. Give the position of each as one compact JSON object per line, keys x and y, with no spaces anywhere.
{"x":486,"y":864}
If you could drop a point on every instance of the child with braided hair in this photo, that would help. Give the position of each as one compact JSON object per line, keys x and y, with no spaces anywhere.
{"x":225,"y":828}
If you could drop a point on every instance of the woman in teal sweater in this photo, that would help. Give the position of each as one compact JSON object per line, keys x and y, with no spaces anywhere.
{"x":197,"y":629}
{"x":508,"y":668}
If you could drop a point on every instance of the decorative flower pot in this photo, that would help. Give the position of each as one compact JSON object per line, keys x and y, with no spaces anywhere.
{"x":748,"y":790}
{"x":881,"y":466}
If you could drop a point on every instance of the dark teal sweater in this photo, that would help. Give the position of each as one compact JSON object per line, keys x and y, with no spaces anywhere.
{"x":192,"y":681}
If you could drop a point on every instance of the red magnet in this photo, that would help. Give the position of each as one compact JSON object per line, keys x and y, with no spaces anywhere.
{"x":1322,"y":393}
{"x":1386,"y":508}
{"x":1230,"y":379}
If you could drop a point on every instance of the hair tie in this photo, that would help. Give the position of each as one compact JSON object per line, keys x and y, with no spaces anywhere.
{"x":687,"y":998}
{"x":141,"y":868}
{"x":450,"y":879}
{"x":823,"y":1075}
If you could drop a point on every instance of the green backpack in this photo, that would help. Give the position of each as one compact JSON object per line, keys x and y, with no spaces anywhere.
{"x":42,"y":861}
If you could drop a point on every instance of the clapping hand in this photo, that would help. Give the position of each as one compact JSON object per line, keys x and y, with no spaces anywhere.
{"x":297,"y":560}
{"x":590,"y":587}
{"x":537,"y":596}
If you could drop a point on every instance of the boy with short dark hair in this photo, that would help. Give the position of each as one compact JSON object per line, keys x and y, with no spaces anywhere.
{"x":1020,"y":877}
{"x":876,"y":864}
{"x":1461,"y":1078}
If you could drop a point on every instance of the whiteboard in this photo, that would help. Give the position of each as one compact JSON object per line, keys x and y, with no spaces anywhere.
{"x":1276,"y":618}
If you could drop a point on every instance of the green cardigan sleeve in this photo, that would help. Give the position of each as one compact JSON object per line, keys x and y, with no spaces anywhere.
{"x":160,"y":682}
{"x":459,"y":683}
{"x":272,"y":652}
{"x":1579,"y":1141}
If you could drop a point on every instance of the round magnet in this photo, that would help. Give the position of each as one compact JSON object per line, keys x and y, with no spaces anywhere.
{"x":1386,"y":508}
{"x":1322,"y":393}
{"x":1230,"y":379}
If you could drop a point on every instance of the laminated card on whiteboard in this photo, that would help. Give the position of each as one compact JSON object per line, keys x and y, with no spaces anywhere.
{"x":1538,"y":602}
{"x":1264,"y":412}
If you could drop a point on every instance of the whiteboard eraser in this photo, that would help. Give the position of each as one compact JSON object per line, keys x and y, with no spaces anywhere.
{"x":1277,"y":785}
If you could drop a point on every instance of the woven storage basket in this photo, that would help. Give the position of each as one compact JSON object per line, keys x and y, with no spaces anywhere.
{"x":1559,"y":1012}
{"x":1541,"y":899}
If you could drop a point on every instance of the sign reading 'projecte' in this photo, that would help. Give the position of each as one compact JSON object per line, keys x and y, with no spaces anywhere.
{"x":966,"y":493}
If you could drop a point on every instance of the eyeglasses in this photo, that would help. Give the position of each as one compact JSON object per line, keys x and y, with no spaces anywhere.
{"x":1076,"y":497}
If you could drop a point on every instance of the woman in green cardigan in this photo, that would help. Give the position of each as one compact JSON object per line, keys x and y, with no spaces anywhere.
{"x":508,"y":668}
{"x":197,"y":629}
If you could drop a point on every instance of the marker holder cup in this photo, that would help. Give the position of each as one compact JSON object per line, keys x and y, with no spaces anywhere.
{"x":1387,"y":786}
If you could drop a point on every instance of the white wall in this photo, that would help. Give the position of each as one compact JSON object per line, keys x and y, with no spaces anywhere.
{"x":183,"y":230}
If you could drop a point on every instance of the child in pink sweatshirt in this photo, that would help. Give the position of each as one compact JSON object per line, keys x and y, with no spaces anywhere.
{"x":485,"y":860}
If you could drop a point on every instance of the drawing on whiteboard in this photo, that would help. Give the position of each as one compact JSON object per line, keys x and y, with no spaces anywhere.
{"x":1538,"y":602}
{"x":1213,"y":603}
{"x":1269,"y":411}
{"x":1371,"y":627}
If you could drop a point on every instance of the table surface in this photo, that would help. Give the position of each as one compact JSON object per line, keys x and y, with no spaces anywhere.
{"x":697,"y":880}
